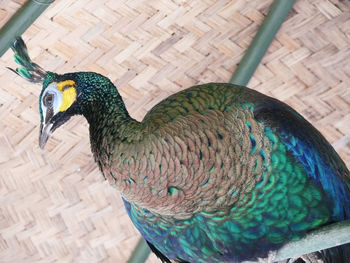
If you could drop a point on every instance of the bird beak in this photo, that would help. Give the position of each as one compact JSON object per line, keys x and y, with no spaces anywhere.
{"x":45,"y":133}
{"x":51,"y":123}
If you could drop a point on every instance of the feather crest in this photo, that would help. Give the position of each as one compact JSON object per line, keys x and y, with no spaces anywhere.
{"x":28,"y":70}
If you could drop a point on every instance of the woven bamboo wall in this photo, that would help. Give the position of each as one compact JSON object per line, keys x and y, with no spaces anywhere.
{"x":54,"y":204}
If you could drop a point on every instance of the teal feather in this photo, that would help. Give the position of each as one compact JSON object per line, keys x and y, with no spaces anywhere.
{"x":28,"y":70}
{"x":23,"y":72}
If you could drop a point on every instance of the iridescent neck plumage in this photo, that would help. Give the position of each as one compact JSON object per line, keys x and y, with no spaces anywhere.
{"x":100,"y":103}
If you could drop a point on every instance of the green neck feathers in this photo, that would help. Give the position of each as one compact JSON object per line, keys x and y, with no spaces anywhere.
{"x":102,"y":106}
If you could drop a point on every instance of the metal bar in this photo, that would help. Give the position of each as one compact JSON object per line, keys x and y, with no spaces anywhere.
{"x":140,"y":253}
{"x":326,"y":237}
{"x":262,"y":40}
{"x":20,"y":21}
{"x":245,"y":70}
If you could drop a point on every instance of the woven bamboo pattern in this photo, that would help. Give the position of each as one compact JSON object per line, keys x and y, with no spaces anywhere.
{"x":54,"y":204}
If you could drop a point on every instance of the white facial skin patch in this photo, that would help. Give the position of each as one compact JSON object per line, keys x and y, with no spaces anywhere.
{"x":51,"y":101}
{"x":57,"y":97}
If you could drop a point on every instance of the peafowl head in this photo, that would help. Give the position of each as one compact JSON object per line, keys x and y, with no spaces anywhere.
{"x":57,"y":103}
{"x":62,"y":96}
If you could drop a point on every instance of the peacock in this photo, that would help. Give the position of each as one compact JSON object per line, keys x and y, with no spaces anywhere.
{"x":214,"y":173}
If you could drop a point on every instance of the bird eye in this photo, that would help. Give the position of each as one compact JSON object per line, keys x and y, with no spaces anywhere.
{"x":48,"y":100}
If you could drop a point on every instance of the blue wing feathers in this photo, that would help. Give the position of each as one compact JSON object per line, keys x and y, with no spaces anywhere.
{"x":311,"y":149}
{"x":325,"y":176}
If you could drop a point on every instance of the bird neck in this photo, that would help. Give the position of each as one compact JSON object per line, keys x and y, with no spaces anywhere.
{"x":109,"y":121}
{"x":123,"y":147}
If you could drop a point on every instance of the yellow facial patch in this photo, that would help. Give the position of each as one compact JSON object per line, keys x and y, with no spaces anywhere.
{"x":69,"y":94}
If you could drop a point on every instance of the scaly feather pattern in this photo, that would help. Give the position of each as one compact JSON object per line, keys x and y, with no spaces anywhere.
{"x":278,"y":198}
{"x":311,"y":149}
{"x":214,"y":173}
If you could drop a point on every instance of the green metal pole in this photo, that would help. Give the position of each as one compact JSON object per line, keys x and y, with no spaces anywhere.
{"x":20,"y":21}
{"x":140,"y":253}
{"x":326,"y":237}
{"x":262,"y":40}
